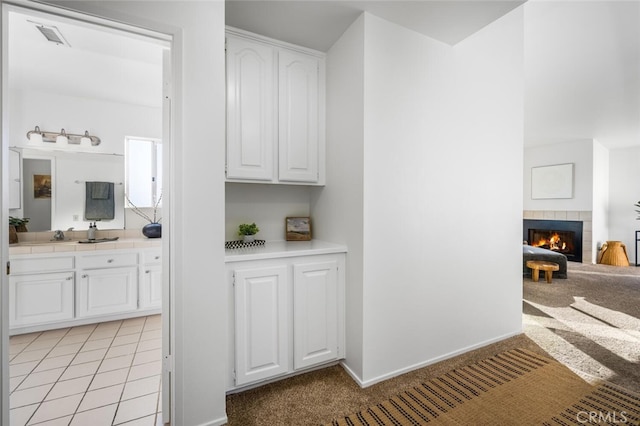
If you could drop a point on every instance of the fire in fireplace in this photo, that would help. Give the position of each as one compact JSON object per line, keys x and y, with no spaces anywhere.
{"x":562,"y":236}
{"x":560,"y":241}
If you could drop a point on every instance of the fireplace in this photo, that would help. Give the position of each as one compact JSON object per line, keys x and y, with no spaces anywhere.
{"x":560,"y":236}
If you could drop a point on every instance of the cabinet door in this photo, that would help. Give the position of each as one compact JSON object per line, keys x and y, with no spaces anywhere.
{"x":107,"y":291}
{"x":298,"y":119}
{"x":15,"y":176}
{"x":315,"y":313}
{"x":151,"y":287}
{"x":251,"y":110}
{"x":40,"y":298}
{"x":261,"y":323}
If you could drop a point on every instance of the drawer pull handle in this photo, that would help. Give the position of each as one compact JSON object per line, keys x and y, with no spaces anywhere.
{"x":69,"y":278}
{"x":110,"y":261}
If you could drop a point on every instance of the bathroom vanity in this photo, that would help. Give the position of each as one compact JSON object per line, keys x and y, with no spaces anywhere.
{"x":64,"y":284}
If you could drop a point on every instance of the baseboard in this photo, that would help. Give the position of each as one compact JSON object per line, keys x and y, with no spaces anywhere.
{"x":218,"y":422}
{"x":392,"y":374}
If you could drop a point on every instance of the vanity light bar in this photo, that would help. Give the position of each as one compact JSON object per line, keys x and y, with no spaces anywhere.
{"x":52,"y":137}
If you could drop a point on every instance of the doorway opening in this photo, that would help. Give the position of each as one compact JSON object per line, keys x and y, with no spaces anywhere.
{"x":83,"y":332}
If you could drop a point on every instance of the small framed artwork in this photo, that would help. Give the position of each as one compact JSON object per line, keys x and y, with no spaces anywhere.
{"x":298,"y":228}
{"x":41,"y":186}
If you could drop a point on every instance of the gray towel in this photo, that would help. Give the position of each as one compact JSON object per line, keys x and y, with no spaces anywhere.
{"x":97,"y":205}
{"x":99,"y":190}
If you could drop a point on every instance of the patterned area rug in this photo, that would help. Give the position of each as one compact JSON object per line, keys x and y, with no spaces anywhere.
{"x":516,"y":387}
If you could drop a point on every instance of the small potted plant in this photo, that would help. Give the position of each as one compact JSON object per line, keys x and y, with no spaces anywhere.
{"x":248,"y":232}
{"x":19,"y":223}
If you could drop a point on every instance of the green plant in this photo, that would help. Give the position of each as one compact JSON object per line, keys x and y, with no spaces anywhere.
{"x":16,"y":221}
{"x":246,"y":229}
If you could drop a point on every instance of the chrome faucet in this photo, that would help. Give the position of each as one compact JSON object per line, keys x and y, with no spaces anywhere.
{"x":58,"y":235}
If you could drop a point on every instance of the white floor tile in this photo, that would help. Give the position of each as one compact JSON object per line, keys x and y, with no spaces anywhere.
{"x":147,"y":356}
{"x":41,"y":378}
{"x":145,"y":421}
{"x":147,"y":345}
{"x":60,"y":421}
{"x":20,"y":416}
{"x":42,"y":344}
{"x":16,"y":348}
{"x":126,"y":339}
{"x":103,"y":334}
{"x":74,"y":338}
{"x":52,"y":334}
{"x":92,"y":345}
{"x":136,"y":408}
{"x":88,"y":356}
{"x":82,"y":329}
{"x":145,"y":370}
{"x":23,"y":338}
{"x":79,"y":370}
{"x":65,"y":350}
{"x":135,"y":329}
{"x":101,"y":397}
{"x":69,"y":387}
{"x":14,"y":382}
{"x":29,"y":396}
{"x":55,"y":362}
{"x":109,"y":379}
{"x":102,"y":416}
{"x":26,"y":356}
{"x":50,"y":410}
{"x":22,"y":369}
{"x":116,"y":351}
{"x":110,"y":364}
{"x":149,"y":335}
{"x":136,"y":388}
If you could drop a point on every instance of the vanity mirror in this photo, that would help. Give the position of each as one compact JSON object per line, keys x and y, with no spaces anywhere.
{"x":62,"y":205}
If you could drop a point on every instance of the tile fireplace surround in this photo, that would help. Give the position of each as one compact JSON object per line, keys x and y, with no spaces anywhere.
{"x":584,"y":216}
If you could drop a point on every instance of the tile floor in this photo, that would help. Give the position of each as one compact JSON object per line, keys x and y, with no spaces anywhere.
{"x":92,"y":375}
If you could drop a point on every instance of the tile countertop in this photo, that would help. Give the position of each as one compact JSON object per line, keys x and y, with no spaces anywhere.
{"x":280,"y":249}
{"x":37,"y":247}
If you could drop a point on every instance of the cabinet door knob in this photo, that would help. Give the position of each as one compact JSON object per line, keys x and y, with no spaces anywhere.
{"x":157,"y":257}
{"x":69,"y":278}
{"x":110,"y":261}
{"x":147,"y":271}
{"x":85,"y":276}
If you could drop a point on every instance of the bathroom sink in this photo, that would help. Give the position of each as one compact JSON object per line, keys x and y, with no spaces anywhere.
{"x":98,"y":240}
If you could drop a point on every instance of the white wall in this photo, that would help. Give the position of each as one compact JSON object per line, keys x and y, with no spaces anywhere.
{"x":600,"y":209}
{"x":197,"y":257}
{"x":624,"y":175}
{"x":267,"y":206}
{"x":337,"y":208}
{"x":580,"y":153}
{"x":432,"y":118}
{"x":110,"y":121}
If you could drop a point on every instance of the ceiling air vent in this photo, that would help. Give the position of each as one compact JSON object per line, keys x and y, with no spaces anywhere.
{"x":52,"y":34}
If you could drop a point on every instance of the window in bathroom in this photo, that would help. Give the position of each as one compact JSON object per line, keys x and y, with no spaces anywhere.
{"x":143,"y":165}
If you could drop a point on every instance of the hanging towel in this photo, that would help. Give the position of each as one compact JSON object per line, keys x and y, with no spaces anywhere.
{"x":99,"y":201}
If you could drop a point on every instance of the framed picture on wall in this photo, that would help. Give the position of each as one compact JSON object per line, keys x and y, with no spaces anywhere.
{"x":41,"y":186}
{"x":298,"y":228}
{"x":548,"y":182}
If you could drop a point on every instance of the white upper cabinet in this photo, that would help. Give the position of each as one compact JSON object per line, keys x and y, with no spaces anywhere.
{"x":275,"y":111}
{"x":251,"y":110}
{"x":298,"y":117}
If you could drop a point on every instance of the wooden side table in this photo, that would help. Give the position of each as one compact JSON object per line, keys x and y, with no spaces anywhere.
{"x":547,"y":267}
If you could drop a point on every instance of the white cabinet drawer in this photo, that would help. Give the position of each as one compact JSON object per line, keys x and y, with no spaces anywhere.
{"x":151,"y":257}
{"x":107,"y":260}
{"x":41,"y":264}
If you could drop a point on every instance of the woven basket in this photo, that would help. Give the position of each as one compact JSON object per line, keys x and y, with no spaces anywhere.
{"x":614,"y":253}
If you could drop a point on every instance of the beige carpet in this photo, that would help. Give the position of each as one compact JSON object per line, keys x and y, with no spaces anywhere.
{"x":587,"y":322}
{"x":514,"y":387}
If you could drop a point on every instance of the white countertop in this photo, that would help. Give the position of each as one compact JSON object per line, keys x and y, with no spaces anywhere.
{"x":280,"y":249}
{"x":38,"y":247}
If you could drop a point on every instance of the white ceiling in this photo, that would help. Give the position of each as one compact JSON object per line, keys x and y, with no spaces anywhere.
{"x":582,"y":58}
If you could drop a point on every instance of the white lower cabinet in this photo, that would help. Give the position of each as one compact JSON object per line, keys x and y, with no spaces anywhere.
{"x":287,"y":316}
{"x":150,"y":295}
{"x":107,"y":291}
{"x":40,"y":298}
